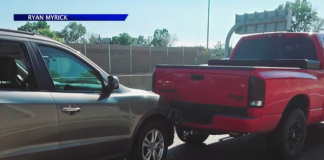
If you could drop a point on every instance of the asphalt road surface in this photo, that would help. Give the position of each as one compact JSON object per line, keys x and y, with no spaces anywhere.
{"x":249,"y":147}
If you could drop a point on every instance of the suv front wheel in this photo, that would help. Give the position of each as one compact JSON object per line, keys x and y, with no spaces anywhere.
{"x":152,"y":142}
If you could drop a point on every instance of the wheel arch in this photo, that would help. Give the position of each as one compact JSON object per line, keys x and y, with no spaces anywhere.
{"x":300,"y":101}
{"x":149,"y":117}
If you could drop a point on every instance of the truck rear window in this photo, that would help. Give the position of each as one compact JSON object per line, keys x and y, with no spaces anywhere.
{"x":276,"y":48}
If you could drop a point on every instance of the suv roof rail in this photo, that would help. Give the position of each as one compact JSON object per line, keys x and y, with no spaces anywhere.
{"x":23,"y":32}
{"x":16,"y":31}
{"x":43,"y":36}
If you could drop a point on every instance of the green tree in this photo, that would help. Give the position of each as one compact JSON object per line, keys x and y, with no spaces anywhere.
{"x":172,"y":40}
{"x":125,"y":39}
{"x":99,"y":40}
{"x":161,"y":38}
{"x":218,"y":49}
{"x":114,"y":40}
{"x":141,"y":40}
{"x":85,"y":38}
{"x":59,"y":34}
{"x":33,"y":27}
{"x":318,"y":25}
{"x":29,"y":27}
{"x":92,"y":38}
{"x":54,"y":74}
{"x":303,"y":16}
{"x":122,"y":39}
{"x":47,"y":32}
{"x":148,"y":41}
{"x":72,"y":33}
{"x":41,"y":25}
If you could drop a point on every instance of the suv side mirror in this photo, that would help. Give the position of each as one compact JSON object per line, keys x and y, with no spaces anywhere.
{"x":113,"y":83}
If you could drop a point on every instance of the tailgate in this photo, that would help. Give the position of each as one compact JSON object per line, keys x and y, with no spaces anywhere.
{"x":203,"y":85}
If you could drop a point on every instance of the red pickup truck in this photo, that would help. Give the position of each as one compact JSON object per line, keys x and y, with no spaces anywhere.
{"x":273,"y":85}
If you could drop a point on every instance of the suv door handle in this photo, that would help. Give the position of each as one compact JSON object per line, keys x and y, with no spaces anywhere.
{"x":70,"y":109}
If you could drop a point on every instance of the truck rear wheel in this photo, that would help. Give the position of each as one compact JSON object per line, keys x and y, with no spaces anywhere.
{"x":191,"y":139}
{"x":288,"y":138}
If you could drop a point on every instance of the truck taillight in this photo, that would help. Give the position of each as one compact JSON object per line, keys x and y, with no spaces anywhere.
{"x":153,"y":81}
{"x":256,"y":92}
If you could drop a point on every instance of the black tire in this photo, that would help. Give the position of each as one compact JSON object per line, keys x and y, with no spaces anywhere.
{"x":137,"y":153}
{"x":316,"y":125}
{"x":191,"y":139}
{"x":293,"y":126}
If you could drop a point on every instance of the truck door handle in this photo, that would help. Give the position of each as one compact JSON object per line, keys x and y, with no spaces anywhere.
{"x":197,"y":77}
{"x":70,"y":109}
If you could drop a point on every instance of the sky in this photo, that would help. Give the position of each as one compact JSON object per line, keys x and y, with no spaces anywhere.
{"x":185,"y":18}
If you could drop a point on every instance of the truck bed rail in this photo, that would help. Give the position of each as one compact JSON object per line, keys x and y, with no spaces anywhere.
{"x":294,"y":63}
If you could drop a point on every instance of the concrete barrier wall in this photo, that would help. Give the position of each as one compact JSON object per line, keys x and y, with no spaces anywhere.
{"x":98,"y":53}
{"x":119,"y":58}
{"x":140,"y":59}
{"x":143,"y":82}
{"x":175,"y":55}
{"x":158,"y":56}
{"x":79,"y":47}
{"x":190,"y":54}
{"x":123,"y":59}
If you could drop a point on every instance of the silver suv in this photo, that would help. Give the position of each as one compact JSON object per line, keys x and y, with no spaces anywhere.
{"x":56,"y":104}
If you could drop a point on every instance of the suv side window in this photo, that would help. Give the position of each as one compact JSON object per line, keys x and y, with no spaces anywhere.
{"x":14,"y":73}
{"x":68,"y":72}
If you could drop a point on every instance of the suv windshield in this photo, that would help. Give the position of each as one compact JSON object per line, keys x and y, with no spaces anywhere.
{"x":276,"y":48}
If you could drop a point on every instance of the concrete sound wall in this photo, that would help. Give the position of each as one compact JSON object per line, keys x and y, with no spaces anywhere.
{"x":119,"y":58}
{"x":143,"y":82}
{"x":98,"y":53}
{"x":140,"y":59}
{"x":123,"y":59}
{"x":158,"y":56}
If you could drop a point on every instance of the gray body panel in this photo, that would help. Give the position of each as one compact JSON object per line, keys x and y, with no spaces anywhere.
{"x":28,"y":125}
{"x":99,"y":124}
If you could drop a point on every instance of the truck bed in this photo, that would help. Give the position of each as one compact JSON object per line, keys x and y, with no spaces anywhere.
{"x":203,"y":92}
